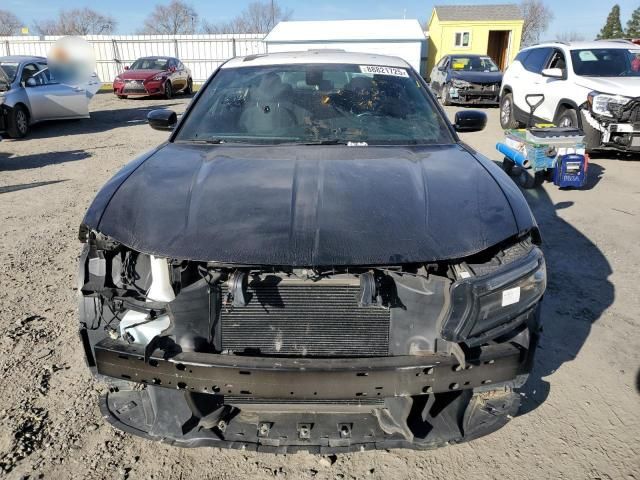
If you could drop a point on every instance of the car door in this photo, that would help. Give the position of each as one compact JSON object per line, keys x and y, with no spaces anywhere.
{"x":555,"y":89}
{"x":49,"y":99}
{"x":176,"y":75}
{"x":438,"y":74}
{"x":184,"y":74}
{"x":529,"y":79}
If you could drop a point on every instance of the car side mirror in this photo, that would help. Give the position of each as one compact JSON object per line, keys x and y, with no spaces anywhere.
{"x":162,"y":119}
{"x":31,"y":82}
{"x":470,"y":121}
{"x":553,"y":73}
{"x":126,"y":67}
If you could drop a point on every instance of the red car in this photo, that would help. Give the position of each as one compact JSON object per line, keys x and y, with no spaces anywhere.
{"x":154,"y":76}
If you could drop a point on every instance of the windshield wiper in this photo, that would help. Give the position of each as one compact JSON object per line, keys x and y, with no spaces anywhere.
{"x":331,"y":141}
{"x":212,"y":141}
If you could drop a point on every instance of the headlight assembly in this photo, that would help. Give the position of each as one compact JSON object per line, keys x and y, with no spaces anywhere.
{"x":460,"y":83}
{"x":158,"y":77}
{"x":605,"y":104}
{"x":481,"y":304}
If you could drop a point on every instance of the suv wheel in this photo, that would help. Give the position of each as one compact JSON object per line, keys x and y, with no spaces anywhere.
{"x":592,"y":136}
{"x":507,"y":119}
{"x":568,"y":118}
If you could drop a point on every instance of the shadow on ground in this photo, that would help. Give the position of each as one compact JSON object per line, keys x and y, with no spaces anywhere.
{"x":10,"y":162}
{"x":578,"y":291}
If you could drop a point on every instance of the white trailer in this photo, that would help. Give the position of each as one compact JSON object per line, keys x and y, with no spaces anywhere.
{"x":400,"y":38}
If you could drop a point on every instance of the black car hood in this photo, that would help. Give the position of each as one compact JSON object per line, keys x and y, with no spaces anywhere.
{"x":310,"y":205}
{"x":478,"y":77}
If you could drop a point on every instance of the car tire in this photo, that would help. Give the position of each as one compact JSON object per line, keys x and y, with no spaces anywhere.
{"x":18,"y":122}
{"x":529,"y":179}
{"x":592,"y":136}
{"x":168,"y":90}
{"x":444,"y":95}
{"x":568,"y":118}
{"x":189,"y":88}
{"x":122,"y":97}
{"x":507,"y":165}
{"x":507,"y":118}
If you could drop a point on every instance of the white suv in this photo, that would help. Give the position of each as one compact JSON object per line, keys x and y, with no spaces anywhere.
{"x":592,"y":85}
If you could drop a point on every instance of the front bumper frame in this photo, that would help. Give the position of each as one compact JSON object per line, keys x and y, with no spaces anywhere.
{"x":622,"y":136}
{"x":306,"y":378}
{"x":283,"y":405}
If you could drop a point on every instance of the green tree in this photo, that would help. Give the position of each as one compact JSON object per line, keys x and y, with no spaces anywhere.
{"x":633,"y":25}
{"x":612,"y":28}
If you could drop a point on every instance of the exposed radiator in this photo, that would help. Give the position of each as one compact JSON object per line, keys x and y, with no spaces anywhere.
{"x":305,"y":319}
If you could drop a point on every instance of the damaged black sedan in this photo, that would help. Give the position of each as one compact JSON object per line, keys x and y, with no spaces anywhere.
{"x":312,"y":261}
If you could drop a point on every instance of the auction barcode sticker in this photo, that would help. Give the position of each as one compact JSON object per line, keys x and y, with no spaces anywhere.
{"x":510,"y":296}
{"x":380,"y":70}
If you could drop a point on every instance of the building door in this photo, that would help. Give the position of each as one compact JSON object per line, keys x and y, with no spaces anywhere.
{"x":498,"y":47}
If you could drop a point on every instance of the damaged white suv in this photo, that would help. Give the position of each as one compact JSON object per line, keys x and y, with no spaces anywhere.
{"x":592,"y":85}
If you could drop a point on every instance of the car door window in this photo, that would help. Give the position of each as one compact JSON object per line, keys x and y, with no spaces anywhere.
{"x":28,"y":71}
{"x":536,"y":59}
{"x":557,"y":60}
{"x":522,"y":56}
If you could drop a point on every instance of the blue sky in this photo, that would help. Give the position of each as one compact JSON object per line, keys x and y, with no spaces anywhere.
{"x":585,"y":16}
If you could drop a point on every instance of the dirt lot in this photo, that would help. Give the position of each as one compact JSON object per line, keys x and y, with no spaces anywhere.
{"x":581,"y":406}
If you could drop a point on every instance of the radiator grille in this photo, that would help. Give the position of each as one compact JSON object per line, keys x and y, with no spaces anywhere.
{"x":305,"y":320}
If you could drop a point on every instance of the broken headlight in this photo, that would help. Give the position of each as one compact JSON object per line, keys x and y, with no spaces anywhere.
{"x":481,"y":304}
{"x":460,"y":83}
{"x":605,"y":104}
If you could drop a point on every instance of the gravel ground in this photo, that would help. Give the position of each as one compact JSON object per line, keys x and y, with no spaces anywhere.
{"x":580,"y":412}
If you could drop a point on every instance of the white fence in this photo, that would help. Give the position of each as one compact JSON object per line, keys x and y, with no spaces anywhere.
{"x":201,"y":53}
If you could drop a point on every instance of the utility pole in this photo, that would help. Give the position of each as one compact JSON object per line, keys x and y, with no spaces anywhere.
{"x":273,"y":16}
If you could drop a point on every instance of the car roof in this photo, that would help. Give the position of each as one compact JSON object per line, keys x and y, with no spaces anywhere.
{"x":22,"y":58}
{"x":593,"y":44}
{"x":156,"y":56}
{"x":316,"y":56}
{"x":465,"y":55}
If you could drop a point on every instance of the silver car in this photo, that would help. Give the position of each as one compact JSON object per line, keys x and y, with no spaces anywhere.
{"x":29,"y":94}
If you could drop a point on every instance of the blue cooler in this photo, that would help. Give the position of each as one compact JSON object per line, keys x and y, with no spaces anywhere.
{"x":570,"y":171}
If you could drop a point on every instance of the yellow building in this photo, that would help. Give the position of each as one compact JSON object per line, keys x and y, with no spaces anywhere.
{"x":493,"y":30}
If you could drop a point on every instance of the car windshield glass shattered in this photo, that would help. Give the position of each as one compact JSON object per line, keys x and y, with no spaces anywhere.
{"x":315,"y":103}
{"x":473,"y":64}
{"x":606,"y":62}
{"x":150,"y":64}
{"x":9,"y":69}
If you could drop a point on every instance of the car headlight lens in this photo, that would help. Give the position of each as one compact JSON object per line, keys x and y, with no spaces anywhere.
{"x":605,"y":104}
{"x":460,"y":83}
{"x":480,"y":304}
{"x":158,"y":77}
